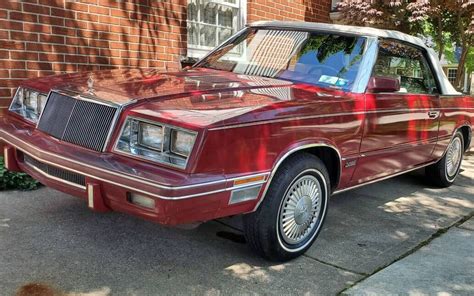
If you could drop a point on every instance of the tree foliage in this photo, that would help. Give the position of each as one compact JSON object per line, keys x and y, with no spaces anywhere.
{"x":445,"y":21}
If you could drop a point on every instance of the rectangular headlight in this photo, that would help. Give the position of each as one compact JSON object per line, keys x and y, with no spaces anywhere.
{"x":182,"y":142}
{"x":28,"y":103}
{"x":151,"y":135}
{"x":156,"y":141}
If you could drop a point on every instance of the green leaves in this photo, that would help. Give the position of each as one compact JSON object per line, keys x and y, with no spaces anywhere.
{"x":13,"y":180}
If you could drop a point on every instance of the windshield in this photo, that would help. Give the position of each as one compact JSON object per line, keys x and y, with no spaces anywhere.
{"x":321,"y":59}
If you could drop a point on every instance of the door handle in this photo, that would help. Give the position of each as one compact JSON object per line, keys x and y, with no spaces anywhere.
{"x":433,"y":114}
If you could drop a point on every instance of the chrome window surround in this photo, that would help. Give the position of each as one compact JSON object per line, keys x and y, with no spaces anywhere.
{"x":165,"y":142}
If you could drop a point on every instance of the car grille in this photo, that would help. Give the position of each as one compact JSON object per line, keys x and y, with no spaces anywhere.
{"x":76,"y":121}
{"x":55,"y":171}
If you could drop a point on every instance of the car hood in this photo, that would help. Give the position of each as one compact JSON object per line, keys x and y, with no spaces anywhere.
{"x":198,"y":97}
{"x":125,"y":87}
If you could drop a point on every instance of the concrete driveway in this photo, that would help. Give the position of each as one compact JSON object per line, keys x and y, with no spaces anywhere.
{"x":50,"y":237}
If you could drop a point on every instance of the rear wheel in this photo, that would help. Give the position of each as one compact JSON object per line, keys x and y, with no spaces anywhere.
{"x":444,"y":172}
{"x":289,"y":219}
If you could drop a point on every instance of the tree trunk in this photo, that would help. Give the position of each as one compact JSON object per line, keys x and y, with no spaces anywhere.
{"x":439,"y":37}
{"x":461,"y":66}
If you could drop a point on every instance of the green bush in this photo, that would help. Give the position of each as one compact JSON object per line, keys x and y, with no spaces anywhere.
{"x":14,"y":180}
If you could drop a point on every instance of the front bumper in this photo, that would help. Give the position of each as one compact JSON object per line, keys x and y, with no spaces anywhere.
{"x":110,"y":179}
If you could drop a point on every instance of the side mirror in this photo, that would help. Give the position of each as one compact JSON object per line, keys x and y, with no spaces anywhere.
{"x":383,"y":84}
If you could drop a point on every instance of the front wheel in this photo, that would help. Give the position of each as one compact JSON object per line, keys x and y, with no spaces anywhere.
{"x":444,"y":172}
{"x":291,"y":216}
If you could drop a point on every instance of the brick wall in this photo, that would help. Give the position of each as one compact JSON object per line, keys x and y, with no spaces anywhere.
{"x":298,"y":10}
{"x":43,"y":37}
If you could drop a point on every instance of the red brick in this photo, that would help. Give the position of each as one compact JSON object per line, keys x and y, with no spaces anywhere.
{"x":51,"y":57}
{"x":39,"y":28}
{"x":11,"y":25}
{"x":27,"y":17}
{"x":37,"y":9}
{"x":63,"y":31}
{"x":77,"y":6}
{"x":39,"y":66}
{"x":24,"y":55}
{"x":62,"y":13}
{"x":23,"y":36}
{"x":5,"y":93}
{"x":76,"y":59}
{"x":23,"y":74}
{"x":99,"y":10}
{"x":52,"y":39}
{"x":87,"y":17}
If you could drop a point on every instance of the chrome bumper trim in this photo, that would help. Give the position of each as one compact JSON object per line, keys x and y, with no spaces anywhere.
{"x":135,"y":179}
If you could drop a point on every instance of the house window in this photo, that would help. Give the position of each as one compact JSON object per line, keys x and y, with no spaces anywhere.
{"x":211,"y":22}
{"x":452,"y":73}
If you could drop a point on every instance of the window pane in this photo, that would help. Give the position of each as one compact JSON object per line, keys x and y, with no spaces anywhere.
{"x":226,"y":16}
{"x":192,"y":10}
{"x":208,"y":35}
{"x":408,"y":65}
{"x":224,"y":34}
{"x":193,"y":34}
{"x":208,"y":12}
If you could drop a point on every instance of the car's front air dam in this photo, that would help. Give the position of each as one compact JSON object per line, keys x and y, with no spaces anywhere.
{"x":181,"y":200}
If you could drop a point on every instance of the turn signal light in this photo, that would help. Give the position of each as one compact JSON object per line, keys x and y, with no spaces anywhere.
{"x":141,"y":201}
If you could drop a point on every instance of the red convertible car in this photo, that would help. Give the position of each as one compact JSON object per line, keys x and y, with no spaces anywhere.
{"x":270,"y":124}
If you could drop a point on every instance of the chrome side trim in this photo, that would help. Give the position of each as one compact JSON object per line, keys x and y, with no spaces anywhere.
{"x":383,"y":178}
{"x":53,"y":177}
{"x":286,"y":155}
{"x":331,"y":115}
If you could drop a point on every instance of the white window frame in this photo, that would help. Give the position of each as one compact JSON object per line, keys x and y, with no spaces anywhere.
{"x":453,"y":78}
{"x":196,"y":51}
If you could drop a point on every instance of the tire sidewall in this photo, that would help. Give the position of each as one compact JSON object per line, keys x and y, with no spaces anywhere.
{"x":289,"y":174}
{"x":448,"y":179}
{"x":302,"y":245}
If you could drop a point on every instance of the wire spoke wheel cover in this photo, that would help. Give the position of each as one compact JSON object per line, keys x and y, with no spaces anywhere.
{"x":453,"y":158}
{"x":300,"y":210}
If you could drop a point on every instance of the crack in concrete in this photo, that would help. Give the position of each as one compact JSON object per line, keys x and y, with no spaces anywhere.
{"x":435,"y":235}
{"x":334,"y":265}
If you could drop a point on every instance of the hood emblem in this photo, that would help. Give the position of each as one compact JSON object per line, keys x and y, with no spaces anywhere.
{"x":90,"y":84}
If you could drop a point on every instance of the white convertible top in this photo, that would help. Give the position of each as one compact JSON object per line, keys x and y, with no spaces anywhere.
{"x":446,"y":87}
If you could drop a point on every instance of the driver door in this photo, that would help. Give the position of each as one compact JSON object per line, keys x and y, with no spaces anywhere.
{"x":401,"y":128}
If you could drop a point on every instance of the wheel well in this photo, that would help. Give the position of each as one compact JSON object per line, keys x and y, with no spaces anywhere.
{"x":330,"y":158}
{"x":466,"y":133}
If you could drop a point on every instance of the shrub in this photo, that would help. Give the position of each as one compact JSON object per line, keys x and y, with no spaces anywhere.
{"x":14,"y":180}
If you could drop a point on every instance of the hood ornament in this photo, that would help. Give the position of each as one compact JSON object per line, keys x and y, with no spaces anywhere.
{"x":90,"y":84}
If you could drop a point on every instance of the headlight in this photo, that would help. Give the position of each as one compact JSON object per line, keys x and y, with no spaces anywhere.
{"x":182,"y":142}
{"x":151,"y":135}
{"x":155,"y":141}
{"x":28,"y":103}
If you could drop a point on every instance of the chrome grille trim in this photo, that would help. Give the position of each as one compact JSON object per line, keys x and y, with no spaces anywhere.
{"x":78,"y":120}
{"x":55,"y":173}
